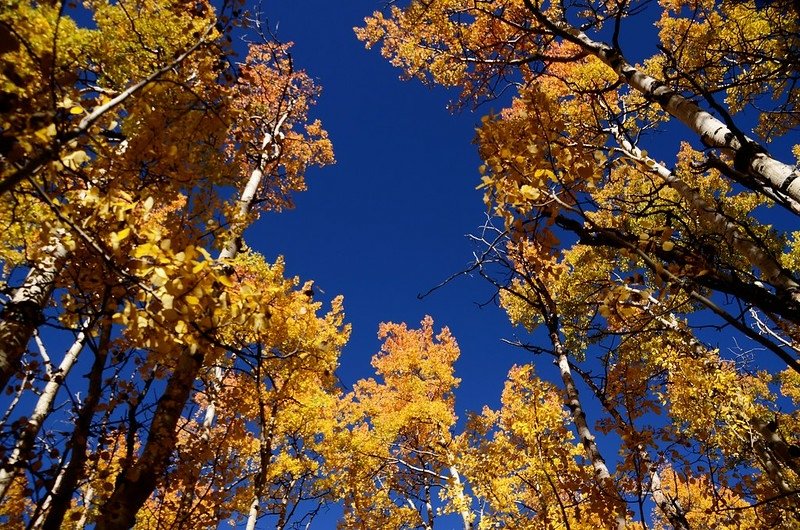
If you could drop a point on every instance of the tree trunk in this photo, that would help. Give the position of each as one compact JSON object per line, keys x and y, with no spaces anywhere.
{"x":61,"y":497}
{"x":44,"y":405}
{"x":23,"y":313}
{"x":668,"y":506}
{"x":603,"y":476}
{"x":265,"y":443}
{"x":466,"y":516}
{"x":252,"y":515}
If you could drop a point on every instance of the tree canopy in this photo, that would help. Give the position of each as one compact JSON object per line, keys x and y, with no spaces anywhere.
{"x":635,"y":231}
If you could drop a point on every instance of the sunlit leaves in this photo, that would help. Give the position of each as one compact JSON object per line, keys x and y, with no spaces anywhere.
{"x":394,"y":453}
{"x":744,"y":50}
{"x":122,"y":143}
{"x":617,"y":251}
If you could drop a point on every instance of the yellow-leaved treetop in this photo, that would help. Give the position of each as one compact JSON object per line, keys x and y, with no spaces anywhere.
{"x":622,"y":263}
{"x":124,"y":128}
{"x":393,"y":458}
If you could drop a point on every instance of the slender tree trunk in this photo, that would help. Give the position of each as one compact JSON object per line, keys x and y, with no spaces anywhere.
{"x":466,"y":516}
{"x":785,"y":453}
{"x":575,"y":406}
{"x":265,"y":443}
{"x":280,"y":524}
{"x":87,"y":503}
{"x":428,"y":507}
{"x":44,"y":405}
{"x":265,"y":455}
{"x":15,"y":401}
{"x":41,"y":511}
{"x":774,"y":454}
{"x":252,"y":515}
{"x":670,"y":507}
{"x":61,"y":497}
{"x":23,"y":313}
{"x":193,"y":469}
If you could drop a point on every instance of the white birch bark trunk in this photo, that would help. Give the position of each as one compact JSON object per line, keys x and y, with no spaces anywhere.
{"x":668,"y":506}
{"x":38,"y":522}
{"x":601,"y":472}
{"x":15,"y":401}
{"x":23,"y":313}
{"x":211,"y":410}
{"x":252,"y":515}
{"x":428,"y":508}
{"x":43,"y":407}
{"x":782,"y":178}
{"x":87,"y":503}
{"x":466,"y":515}
{"x":771,"y":270}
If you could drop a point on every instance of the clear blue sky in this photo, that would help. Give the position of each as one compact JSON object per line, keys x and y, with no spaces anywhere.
{"x":389,"y":220}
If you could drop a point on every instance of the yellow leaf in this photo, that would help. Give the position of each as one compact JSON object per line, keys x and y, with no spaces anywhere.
{"x":46,"y":133}
{"x":224,"y":280}
{"x":167,"y":301}
{"x":529,"y":192}
{"x":667,"y":246}
{"x":77,"y":109}
{"x":148,"y":249}
{"x":159,"y":277}
{"x":122,"y":234}
{"x":75,"y":159}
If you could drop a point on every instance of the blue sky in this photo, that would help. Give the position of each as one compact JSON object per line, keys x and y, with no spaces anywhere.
{"x":389,"y":220}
